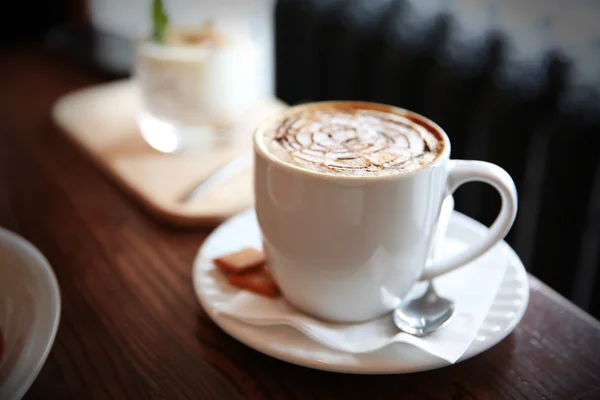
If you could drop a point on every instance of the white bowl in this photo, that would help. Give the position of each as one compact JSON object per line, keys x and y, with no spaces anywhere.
{"x":29,"y":313}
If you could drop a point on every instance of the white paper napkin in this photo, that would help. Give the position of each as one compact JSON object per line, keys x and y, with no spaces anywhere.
{"x":472,"y":287}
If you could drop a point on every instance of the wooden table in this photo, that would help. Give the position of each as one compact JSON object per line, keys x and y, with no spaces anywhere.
{"x":131,"y":327}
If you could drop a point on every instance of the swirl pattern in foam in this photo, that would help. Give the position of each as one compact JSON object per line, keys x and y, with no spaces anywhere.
{"x":353,"y":141}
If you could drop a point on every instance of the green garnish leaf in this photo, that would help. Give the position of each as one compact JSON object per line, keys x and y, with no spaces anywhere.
{"x":160,"y":20}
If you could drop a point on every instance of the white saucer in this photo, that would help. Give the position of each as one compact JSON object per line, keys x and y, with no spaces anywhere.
{"x":290,"y":345}
{"x":29,"y":313}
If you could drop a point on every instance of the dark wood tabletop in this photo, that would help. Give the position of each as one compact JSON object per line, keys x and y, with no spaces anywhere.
{"x":131,"y":327}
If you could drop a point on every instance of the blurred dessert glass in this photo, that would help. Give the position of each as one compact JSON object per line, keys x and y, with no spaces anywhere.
{"x":194,"y":85}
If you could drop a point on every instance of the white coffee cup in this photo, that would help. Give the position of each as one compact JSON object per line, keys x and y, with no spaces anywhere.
{"x":348,"y":248}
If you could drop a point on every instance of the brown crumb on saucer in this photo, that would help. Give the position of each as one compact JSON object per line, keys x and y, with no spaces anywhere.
{"x":240,"y":261}
{"x":258,"y":281}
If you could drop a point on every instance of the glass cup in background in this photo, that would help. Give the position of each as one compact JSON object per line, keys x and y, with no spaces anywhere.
{"x":194,"y":86}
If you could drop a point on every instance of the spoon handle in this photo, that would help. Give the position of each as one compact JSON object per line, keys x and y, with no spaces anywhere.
{"x":437,"y":244}
{"x":222,"y":173}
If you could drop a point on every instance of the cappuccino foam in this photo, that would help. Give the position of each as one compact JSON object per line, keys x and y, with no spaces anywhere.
{"x":347,"y":139}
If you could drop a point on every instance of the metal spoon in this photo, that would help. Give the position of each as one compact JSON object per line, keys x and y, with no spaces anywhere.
{"x":221,"y":174}
{"x":425,"y":314}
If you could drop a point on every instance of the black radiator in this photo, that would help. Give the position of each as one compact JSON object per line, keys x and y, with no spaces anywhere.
{"x":528,"y":119}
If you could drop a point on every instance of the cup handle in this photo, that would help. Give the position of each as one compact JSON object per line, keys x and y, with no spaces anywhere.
{"x":462,"y":171}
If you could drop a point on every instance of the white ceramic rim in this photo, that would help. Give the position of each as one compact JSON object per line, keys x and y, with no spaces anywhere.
{"x":236,"y":329}
{"x":24,"y":246}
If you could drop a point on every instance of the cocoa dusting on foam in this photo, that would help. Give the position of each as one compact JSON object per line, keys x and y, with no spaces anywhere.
{"x":351,"y":140}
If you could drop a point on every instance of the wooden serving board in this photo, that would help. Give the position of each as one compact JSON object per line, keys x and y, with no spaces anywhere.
{"x":101,"y":120}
